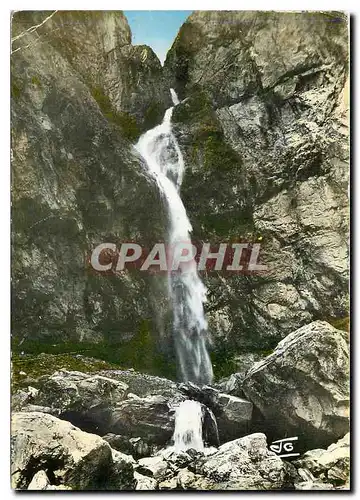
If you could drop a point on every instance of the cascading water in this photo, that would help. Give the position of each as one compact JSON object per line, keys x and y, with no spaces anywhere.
{"x":188,"y":426}
{"x":164,"y":160}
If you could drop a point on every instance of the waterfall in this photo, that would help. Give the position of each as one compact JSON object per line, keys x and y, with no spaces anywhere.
{"x":187,"y":293}
{"x":174,"y":97}
{"x":188,"y":426}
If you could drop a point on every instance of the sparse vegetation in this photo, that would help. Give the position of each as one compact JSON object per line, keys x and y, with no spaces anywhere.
{"x":15,"y":89}
{"x":37,"y":358}
{"x":36,"y":81}
{"x":340,"y":323}
{"x":126,"y":122}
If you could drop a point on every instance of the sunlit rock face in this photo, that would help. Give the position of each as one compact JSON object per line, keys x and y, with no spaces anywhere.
{"x":125,"y":79}
{"x":264,"y":129}
{"x":77,"y":182}
{"x":302,"y":388}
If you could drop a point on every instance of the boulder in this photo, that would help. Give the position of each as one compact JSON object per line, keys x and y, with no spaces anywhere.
{"x":67,"y":455}
{"x":204,"y":394}
{"x":23,"y":397}
{"x":86,"y":400}
{"x":233,"y":384}
{"x":302,"y":388}
{"x":122,"y":458}
{"x":180,"y":459}
{"x":185,"y":480}
{"x":231,"y":414}
{"x":40,"y":481}
{"x":328,"y":468}
{"x":131,"y":424}
{"x":144,"y":482}
{"x":106,"y":405}
{"x":155,"y":467}
{"x":245,"y":464}
{"x":142,"y":384}
{"x":234,"y":416}
{"x":242,"y":464}
{"x":138,"y":447}
{"x":168,"y":484}
{"x":151,"y":417}
{"x":179,"y":476}
{"x":119,"y":443}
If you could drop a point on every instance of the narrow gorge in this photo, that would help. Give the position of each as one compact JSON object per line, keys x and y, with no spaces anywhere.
{"x":188,"y":377}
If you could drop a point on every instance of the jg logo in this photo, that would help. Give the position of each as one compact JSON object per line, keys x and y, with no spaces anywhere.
{"x":284,"y":447}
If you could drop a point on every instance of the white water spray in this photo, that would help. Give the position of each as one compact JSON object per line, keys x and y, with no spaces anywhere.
{"x":188,"y":426}
{"x":164,"y":160}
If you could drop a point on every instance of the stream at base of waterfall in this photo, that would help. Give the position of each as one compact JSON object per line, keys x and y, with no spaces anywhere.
{"x":188,"y":426}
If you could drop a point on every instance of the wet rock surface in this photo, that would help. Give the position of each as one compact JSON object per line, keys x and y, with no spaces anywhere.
{"x":71,"y":457}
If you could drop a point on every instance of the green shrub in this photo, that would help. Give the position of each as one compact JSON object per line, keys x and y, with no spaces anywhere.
{"x":196,"y":108}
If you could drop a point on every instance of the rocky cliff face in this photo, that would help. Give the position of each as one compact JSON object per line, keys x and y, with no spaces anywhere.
{"x":78,"y":90}
{"x":264,"y":126}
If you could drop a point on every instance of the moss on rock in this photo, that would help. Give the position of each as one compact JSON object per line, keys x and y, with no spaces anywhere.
{"x":213,"y":167}
{"x":125,"y":121}
{"x":35,"y":358}
{"x":340,"y":323}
